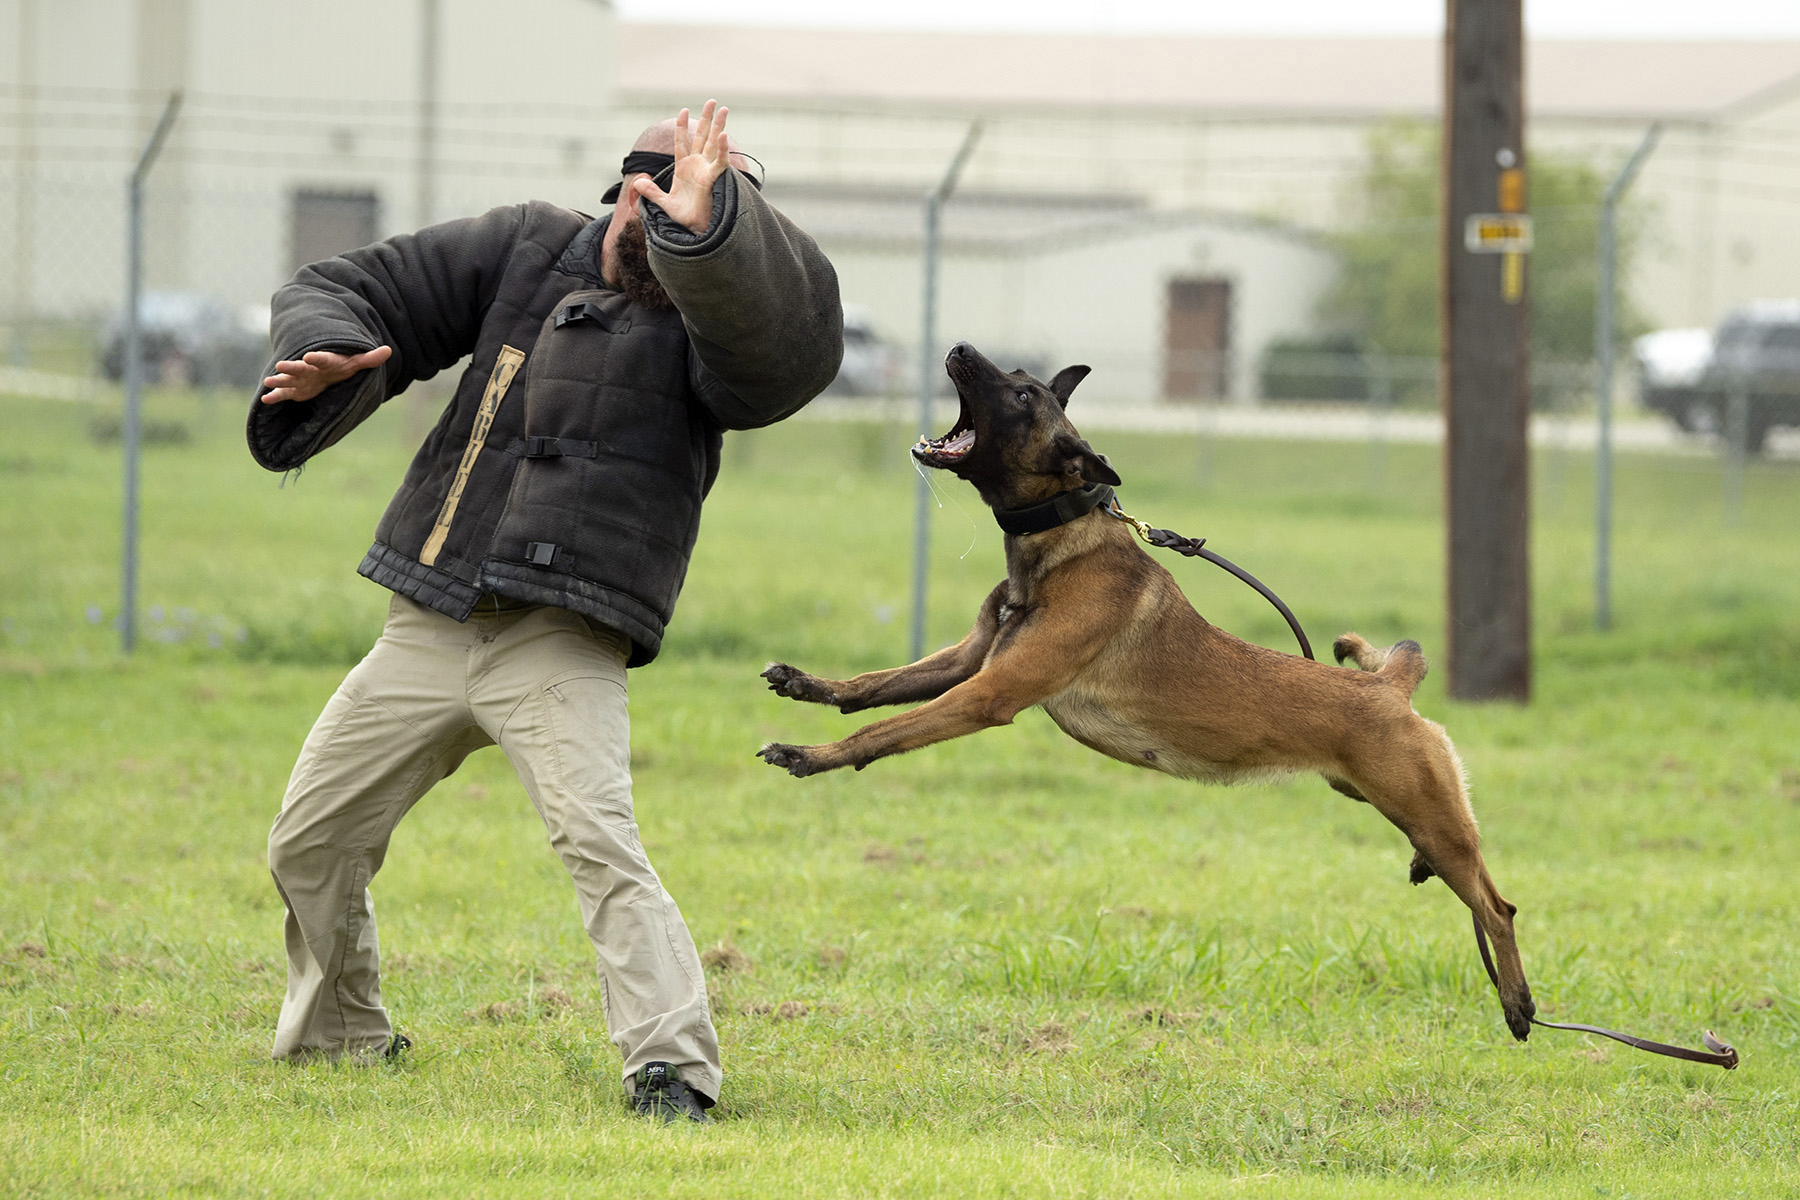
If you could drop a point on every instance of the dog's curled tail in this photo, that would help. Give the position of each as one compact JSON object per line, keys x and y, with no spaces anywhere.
{"x":1403,"y":662}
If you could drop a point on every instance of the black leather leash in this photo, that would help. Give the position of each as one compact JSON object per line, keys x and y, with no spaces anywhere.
{"x":1168,"y":539}
{"x":1721,"y":1054}
{"x":1068,"y":506}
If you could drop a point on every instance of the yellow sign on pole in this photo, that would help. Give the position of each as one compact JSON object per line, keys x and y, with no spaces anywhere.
{"x":1497,"y":233}
{"x":1512,"y":278}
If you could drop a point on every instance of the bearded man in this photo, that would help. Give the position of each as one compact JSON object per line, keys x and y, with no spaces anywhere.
{"x":535,"y":549}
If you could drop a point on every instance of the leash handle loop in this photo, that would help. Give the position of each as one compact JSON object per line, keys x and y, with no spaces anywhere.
{"x":1721,"y":1053}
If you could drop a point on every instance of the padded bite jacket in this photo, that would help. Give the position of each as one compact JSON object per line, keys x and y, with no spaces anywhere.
{"x":570,"y":466}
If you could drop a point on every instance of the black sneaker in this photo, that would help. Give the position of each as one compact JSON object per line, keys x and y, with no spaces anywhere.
{"x":659,"y":1093}
{"x":400,"y":1045}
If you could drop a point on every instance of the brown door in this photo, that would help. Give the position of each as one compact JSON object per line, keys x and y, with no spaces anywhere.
{"x":328,"y":223}
{"x":1197,"y":339}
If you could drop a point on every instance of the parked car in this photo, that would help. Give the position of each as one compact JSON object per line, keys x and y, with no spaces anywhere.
{"x":871,"y":366}
{"x":1691,"y":375}
{"x":1670,"y":363}
{"x":1331,"y":367}
{"x":192,"y":338}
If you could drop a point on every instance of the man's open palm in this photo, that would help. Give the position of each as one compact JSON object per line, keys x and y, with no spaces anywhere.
{"x":307,"y":376}
{"x":701,"y":156}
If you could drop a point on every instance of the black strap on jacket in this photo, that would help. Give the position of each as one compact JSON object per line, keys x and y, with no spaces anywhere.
{"x":589,"y":311}
{"x":544,"y":554}
{"x":1058,"y":510}
{"x":553,"y":447}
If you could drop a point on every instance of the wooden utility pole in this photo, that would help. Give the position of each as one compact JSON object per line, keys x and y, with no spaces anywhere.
{"x":1485,"y":315}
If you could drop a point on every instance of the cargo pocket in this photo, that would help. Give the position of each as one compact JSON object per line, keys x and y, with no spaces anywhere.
{"x":590,"y":738}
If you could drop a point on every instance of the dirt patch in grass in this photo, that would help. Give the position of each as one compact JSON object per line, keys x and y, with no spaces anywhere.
{"x":726,"y":957}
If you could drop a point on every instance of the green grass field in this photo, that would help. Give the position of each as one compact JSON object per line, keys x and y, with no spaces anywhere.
{"x":1004,"y":966}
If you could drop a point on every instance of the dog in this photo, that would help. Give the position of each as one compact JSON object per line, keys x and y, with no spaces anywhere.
{"x":1090,"y":627}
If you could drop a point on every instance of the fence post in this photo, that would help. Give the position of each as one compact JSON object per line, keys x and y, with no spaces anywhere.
{"x":1380,"y":394}
{"x":430,"y":51}
{"x":934,"y":206}
{"x":24,"y":240}
{"x":1603,"y":386}
{"x":1737,"y":445}
{"x":134,"y":365}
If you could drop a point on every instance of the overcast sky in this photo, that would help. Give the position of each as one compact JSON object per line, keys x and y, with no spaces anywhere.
{"x":1663,"y":19}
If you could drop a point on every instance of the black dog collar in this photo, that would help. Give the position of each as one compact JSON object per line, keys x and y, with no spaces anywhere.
{"x":1058,"y":510}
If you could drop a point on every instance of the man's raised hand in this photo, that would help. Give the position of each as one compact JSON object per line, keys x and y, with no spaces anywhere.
{"x":701,"y":156}
{"x":307,"y":376}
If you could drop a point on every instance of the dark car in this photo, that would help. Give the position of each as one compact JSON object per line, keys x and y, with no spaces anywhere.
{"x":191,"y":338}
{"x":1692,"y":376}
{"x":870,"y":366}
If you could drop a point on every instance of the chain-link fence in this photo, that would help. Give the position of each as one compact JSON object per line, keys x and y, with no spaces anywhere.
{"x":1197,"y":321}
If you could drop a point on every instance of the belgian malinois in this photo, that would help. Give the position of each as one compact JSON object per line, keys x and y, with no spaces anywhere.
{"x":1092,"y":628}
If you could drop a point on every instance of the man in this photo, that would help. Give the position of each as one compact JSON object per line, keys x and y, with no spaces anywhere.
{"x":535,"y":549}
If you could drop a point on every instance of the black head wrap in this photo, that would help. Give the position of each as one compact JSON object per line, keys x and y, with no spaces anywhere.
{"x":658,"y":166}
{"x":638,"y":162}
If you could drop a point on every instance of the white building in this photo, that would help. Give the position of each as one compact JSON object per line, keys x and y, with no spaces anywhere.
{"x":1150,"y":205}
{"x":305,"y":129}
{"x":1276,"y":129}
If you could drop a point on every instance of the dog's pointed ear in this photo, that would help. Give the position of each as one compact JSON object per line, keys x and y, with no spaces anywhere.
{"x":1079,"y":456}
{"x":1065,"y":382}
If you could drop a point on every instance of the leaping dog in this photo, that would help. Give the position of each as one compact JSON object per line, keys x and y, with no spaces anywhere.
{"x":1090,"y":627}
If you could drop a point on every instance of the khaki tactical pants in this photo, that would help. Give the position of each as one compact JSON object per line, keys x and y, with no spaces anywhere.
{"x":550,"y":691}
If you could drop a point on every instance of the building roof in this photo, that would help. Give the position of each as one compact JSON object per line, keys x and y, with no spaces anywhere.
{"x":995,"y":222}
{"x":1240,"y":76}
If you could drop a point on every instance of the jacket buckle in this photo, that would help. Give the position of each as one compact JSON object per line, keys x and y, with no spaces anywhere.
{"x":589,"y":311}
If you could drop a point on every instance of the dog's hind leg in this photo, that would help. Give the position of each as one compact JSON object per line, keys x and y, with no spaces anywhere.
{"x":1457,"y":859}
{"x":1422,"y":793}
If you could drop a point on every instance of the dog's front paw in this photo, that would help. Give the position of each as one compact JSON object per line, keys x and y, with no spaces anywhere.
{"x":796,"y":684}
{"x":794,"y":759}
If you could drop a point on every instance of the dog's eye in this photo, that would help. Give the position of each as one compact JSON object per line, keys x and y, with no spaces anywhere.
{"x":1022,"y":397}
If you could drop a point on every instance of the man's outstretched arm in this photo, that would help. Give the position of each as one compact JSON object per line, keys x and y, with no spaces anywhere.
{"x":353,"y":331}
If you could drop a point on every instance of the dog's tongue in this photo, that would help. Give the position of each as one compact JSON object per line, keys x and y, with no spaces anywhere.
{"x":961,"y":443}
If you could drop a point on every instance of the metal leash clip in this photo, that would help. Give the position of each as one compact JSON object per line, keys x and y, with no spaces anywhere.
{"x":1119,"y":514}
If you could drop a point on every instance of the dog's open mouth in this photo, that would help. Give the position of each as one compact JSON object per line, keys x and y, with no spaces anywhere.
{"x":950,"y":449}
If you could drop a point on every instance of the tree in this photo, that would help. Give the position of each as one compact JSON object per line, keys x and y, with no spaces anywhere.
{"x":1387,"y":289}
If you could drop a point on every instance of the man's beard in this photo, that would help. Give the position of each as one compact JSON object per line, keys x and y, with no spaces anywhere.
{"x":632,"y":259}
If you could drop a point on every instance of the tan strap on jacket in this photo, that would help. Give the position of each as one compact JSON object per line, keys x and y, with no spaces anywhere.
{"x":505,"y":367}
